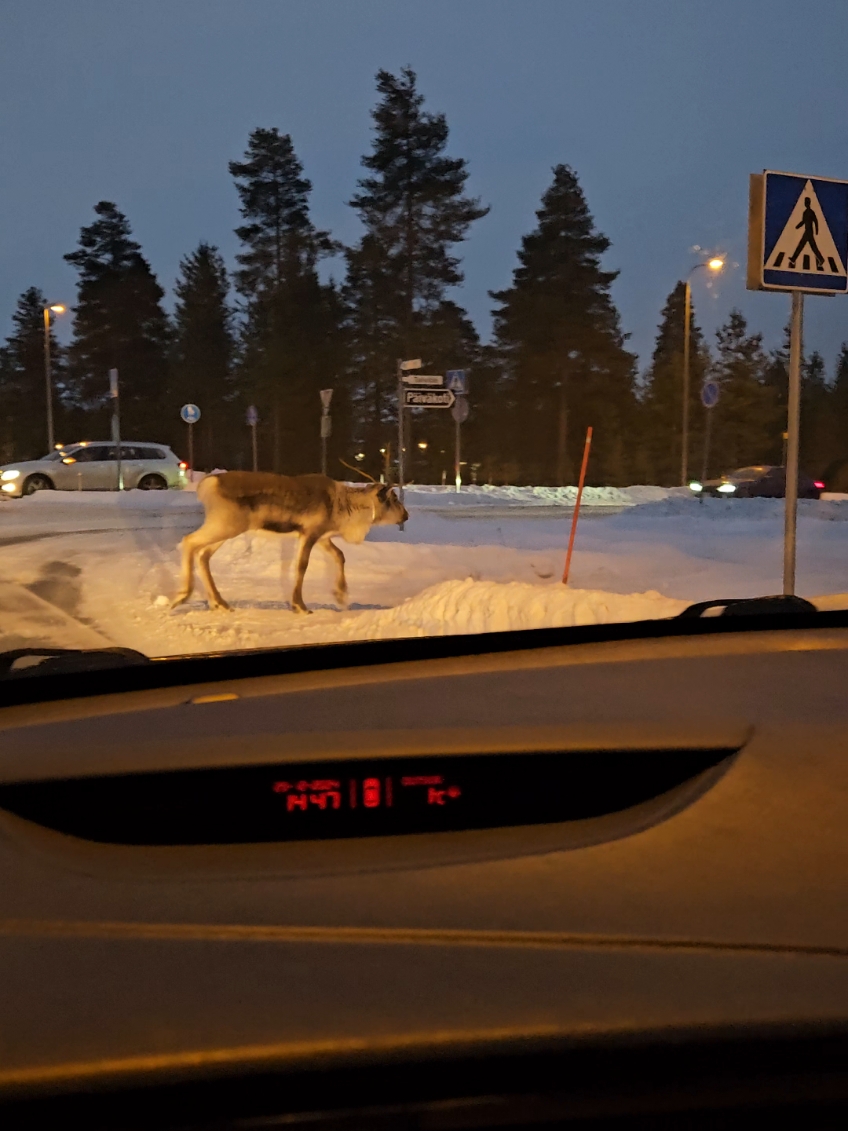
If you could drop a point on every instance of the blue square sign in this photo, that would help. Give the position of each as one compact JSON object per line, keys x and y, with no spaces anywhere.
{"x":798,"y":234}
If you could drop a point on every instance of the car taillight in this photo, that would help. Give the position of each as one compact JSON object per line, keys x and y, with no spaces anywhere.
{"x":818,"y":484}
{"x":183,"y":465}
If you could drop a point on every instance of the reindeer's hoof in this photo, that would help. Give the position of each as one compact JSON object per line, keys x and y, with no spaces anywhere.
{"x":301,"y":609}
{"x":342,"y":599}
{"x":183,"y":597}
{"x":219,"y":607}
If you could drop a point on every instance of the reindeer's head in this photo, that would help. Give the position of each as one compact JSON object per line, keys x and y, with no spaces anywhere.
{"x":388,"y":508}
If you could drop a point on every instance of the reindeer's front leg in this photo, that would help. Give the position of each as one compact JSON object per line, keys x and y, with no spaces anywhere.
{"x":340,"y":590}
{"x":307,"y":541}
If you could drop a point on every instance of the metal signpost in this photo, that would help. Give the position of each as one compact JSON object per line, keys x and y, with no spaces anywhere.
{"x":709,"y":399}
{"x":797,"y":242}
{"x":404,"y":369}
{"x":457,"y":382}
{"x":326,"y":425}
{"x":190,"y":414}
{"x":116,"y":425}
{"x":252,"y":418}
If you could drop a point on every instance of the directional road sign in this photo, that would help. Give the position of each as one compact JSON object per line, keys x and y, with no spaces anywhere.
{"x":709,"y":394}
{"x":798,"y":234}
{"x":423,"y":379}
{"x":428,"y":398}
{"x":190,"y":413}
{"x":252,"y":416}
{"x":456,"y":381}
{"x":407,"y":365}
{"x":326,"y":396}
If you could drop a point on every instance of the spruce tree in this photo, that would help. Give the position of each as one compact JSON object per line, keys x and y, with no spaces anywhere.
{"x":414,"y":209}
{"x":23,"y":391}
{"x":746,"y":421}
{"x":560,"y":339}
{"x":119,"y":323}
{"x":291,"y":344}
{"x":818,"y":438}
{"x":836,"y":472}
{"x":201,"y":365}
{"x":662,"y":397}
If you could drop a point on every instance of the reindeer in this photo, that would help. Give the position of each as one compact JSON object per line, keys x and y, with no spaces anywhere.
{"x":313,"y":506}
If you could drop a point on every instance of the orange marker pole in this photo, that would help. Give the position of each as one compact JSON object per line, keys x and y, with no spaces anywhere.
{"x":576,"y":514}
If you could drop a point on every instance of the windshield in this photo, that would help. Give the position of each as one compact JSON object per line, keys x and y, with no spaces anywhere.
{"x":349,"y":349}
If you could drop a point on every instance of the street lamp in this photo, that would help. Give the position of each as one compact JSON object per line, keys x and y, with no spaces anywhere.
{"x":53,"y":308}
{"x":714,"y":264}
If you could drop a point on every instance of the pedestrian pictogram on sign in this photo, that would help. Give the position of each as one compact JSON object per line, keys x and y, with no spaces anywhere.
{"x":806,"y":244}
{"x":798,"y":233}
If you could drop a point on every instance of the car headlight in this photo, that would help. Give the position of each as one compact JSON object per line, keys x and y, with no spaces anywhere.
{"x":11,"y":474}
{"x":695,"y":486}
{"x":727,"y":488}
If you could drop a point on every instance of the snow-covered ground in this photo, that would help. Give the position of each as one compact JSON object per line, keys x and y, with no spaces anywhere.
{"x":482,"y":560}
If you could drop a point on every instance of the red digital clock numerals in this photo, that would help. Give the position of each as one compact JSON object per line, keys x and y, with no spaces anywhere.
{"x":322,"y":794}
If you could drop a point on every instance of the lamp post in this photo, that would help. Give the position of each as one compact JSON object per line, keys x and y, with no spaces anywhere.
{"x":714,"y":264}
{"x":54,"y":308}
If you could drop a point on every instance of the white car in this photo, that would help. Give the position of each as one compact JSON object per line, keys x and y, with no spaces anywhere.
{"x":93,"y":466}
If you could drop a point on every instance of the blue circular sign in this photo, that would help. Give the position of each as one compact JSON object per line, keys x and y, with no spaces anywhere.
{"x":709,"y":394}
{"x":190,"y":413}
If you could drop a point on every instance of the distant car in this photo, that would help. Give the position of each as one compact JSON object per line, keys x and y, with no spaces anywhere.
{"x":759,"y":482}
{"x":93,"y":466}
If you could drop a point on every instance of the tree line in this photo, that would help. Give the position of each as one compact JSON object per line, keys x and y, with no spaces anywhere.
{"x":275,"y":329}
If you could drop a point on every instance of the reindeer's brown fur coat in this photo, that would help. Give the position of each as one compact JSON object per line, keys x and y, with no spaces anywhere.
{"x":312,"y":506}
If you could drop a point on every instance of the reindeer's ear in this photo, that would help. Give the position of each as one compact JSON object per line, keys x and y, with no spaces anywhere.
{"x":383,"y":491}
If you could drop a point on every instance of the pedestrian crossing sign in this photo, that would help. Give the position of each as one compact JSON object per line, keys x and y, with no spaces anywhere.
{"x":798,"y":234}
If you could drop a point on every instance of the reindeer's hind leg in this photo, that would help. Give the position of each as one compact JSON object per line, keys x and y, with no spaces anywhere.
{"x":307,"y":541}
{"x":216,"y":601}
{"x":340,"y":590}
{"x":189,"y":547}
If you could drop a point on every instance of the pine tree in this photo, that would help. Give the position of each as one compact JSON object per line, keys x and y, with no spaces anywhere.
{"x":23,"y":393}
{"x":817,"y":439}
{"x":746,"y":420}
{"x":559,"y":336}
{"x":836,"y":472}
{"x":291,"y":343}
{"x":119,"y":323}
{"x":203,"y":346}
{"x":414,"y":209}
{"x":662,"y":398}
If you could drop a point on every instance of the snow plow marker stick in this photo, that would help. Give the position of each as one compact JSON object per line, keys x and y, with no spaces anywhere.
{"x":576,"y":514}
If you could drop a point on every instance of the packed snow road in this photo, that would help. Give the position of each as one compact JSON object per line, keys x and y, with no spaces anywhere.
{"x":479,"y":561}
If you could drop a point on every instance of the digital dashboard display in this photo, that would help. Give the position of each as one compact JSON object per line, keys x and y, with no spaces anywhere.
{"x":368,"y":797}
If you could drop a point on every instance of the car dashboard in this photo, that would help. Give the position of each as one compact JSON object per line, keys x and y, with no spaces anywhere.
{"x":564,"y":879}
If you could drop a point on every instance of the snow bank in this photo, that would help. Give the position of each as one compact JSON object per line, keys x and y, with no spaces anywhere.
{"x":456,"y":607}
{"x":426,"y":494}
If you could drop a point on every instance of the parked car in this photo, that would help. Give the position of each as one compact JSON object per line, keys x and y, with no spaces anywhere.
{"x":758,"y":482}
{"x":93,"y":466}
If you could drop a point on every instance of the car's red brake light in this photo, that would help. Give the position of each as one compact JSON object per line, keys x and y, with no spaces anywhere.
{"x":183,"y":465}
{"x":818,"y":484}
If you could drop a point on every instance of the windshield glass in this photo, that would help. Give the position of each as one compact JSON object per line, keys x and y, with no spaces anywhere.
{"x":357,"y":350}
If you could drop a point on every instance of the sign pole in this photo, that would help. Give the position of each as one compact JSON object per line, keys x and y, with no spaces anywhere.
{"x":253,"y":446}
{"x":707,"y":437}
{"x":400,"y":429}
{"x":191,"y":448}
{"x":793,"y":428}
{"x":457,"y":453}
{"x":116,"y":424}
{"x":576,"y":514}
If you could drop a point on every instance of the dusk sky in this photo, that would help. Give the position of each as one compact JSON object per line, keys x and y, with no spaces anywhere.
{"x":662,"y":107}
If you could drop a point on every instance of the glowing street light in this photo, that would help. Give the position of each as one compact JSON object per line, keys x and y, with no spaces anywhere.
{"x":52,"y":308}
{"x":715,"y":264}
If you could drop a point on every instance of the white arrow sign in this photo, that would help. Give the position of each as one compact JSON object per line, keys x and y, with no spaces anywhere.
{"x":428,"y":398}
